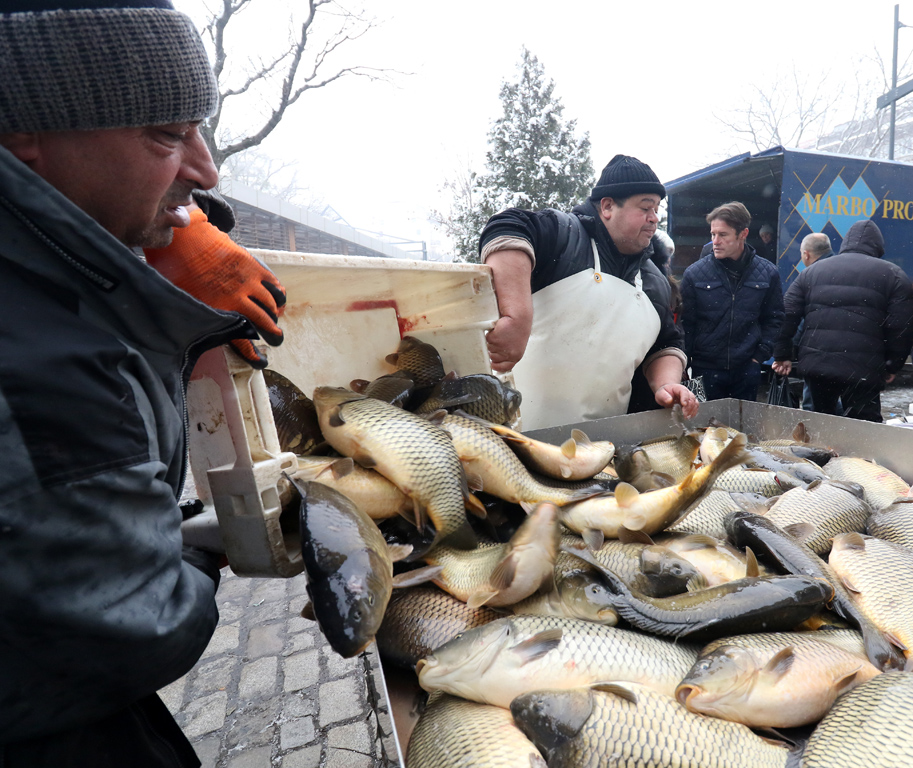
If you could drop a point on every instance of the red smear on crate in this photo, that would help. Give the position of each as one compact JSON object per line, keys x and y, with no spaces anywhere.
{"x":360,"y":306}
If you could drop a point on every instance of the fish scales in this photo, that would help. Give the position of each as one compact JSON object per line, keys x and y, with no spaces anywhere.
{"x":454,"y":733}
{"x":763,"y":481}
{"x":420,"y":619}
{"x":708,"y":515}
{"x":771,"y":679}
{"x":879,"y":575}
{"x":766,"y":539}
{"x":485,"y":455}
{"x":495,"y":663}
{"x":637,"y":728}
{"x":881,"y":485}
{"x":414,"y":454}
{"x":893,"y":523}
{"x":866,"y":728}
{"x":831,"y":507}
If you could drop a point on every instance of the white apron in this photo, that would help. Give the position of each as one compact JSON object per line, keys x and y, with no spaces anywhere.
{"x":590,"y":332}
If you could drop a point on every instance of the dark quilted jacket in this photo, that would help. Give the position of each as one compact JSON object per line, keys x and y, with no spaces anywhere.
{"x":726,"y":328}
{"x":858,"y":312}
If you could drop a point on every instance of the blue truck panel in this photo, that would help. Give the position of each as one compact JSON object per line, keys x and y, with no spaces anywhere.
{"x":797,"y":192}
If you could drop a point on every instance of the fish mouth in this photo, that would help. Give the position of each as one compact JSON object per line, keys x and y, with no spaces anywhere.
{"x":684,"y":693}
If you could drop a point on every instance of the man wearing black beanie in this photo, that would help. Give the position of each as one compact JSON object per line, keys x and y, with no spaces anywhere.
{"x":100,"y":153}
{"x":585,"y":316}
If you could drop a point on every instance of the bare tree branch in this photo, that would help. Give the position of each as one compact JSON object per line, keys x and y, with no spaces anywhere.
{"x":303,"y":66}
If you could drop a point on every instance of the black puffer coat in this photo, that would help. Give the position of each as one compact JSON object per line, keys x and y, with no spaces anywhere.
{"x":858,"y":312}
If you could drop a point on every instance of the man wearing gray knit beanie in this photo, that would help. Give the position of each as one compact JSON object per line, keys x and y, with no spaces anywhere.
{"x":586,"y":323}
{"x":100,"y":153}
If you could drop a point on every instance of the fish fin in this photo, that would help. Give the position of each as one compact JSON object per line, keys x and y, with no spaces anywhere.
{"x":698,"y":541}
{"x":504,"y":573}
{"x":800,"y":433}
{"x":751,"y":564}
{"x":633,"y":536}
{"x":508,"y":434}
{"x":417,"y":576}
{"x":474,"y":480}
{"x":908,"y":665}
{"x":852,"y":541}
{"x":894,"y":640}
{"x":580,"y":437}
{"x":593,"y":538}
{"x":335,"y":416}
{"x":845,"y":683}
{"x":616,"y":689}
{"x":748,"y":503}
{"x":538,"y":645}
{"x":437,"y":417}
{"x":777,"y":739}
{"x":849,"y":585}
{"x":419,"y":514}
{"x":626,"y":494}
{"x":475,"y":507}
{"x":341,"y":468}
{"x":359,"y":385}
{"x":307,"y":611}
{"x":801,"y":532}
{"x":462,"y":538}
{"x":662,"y":479}
{"x":364,"y":459}
{"x":569,"y":448}
{"x":781,"y":663}
{"x":814,"y":483}
{"x":399,"y":552}
{"x":565,"y":471}
{"x":730,"y":456}
{"x":392,"y":358}
{"x":478,"y":599}
{"x":527,"y":507}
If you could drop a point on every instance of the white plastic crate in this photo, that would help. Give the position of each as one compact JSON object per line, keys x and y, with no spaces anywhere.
{"x":343,"y":316}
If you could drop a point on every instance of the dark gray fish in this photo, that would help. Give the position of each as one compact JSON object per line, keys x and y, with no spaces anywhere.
{"x":419,"y":359}
{"x":771,"y":543}
{"x":294,"y":414}
{"x":394,"y":388}
{"x":348,"y":565}
{"x":478,"y":394}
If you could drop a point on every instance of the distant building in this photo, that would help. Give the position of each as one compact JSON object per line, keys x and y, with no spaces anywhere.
{"x":869,"y":137}
{"x":264,"y":221}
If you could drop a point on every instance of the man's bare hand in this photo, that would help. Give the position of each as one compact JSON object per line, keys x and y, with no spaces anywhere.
{"x":507,"y":343}
{"x":783,"y":367}
{"x":670,"y":394}
{"x":510,"y":273}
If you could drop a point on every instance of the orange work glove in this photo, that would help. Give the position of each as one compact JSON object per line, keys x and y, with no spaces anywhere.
{"x":206,"y":263}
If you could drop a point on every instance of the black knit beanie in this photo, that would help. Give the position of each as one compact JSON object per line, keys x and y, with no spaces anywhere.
{"x":90,"y":64}
{"x":625,"y":176}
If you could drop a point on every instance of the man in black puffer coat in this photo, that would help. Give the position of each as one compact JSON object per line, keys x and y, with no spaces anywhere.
{"x":858,"y":314}
{"x":732,"y":307}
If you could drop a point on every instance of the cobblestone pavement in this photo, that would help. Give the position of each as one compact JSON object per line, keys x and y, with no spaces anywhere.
{"x":270,"y":693}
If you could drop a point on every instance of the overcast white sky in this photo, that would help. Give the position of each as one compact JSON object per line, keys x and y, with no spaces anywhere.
{"x":643,"y":78}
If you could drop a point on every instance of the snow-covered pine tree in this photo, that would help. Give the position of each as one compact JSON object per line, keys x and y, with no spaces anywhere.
{"x":534,"y":160}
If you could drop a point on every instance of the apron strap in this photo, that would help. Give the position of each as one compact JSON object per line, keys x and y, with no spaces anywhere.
{"x":638,"y":279}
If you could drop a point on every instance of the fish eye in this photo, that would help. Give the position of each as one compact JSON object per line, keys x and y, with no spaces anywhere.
{"x":370,"y":599}
{"x":676,"y":570}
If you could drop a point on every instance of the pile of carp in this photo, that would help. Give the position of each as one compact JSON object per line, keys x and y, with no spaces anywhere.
{"x":695,"y":600}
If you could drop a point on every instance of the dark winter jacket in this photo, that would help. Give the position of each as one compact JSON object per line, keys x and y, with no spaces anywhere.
{"x":561,"y":242}
{"x":727,"y":326}
{"x":858,"y":312}
{"x":97,"y":607}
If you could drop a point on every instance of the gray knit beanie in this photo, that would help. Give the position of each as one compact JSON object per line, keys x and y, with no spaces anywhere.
{"x":625,"y":176}
{"x":90,"y":64}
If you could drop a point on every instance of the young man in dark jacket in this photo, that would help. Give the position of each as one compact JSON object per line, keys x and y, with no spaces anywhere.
{"x":858,"y":313}
{"x":100,"y":152}
{"x":732,"y":307}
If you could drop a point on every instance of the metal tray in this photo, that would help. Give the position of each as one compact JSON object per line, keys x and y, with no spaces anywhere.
{"x":890,"y":446}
